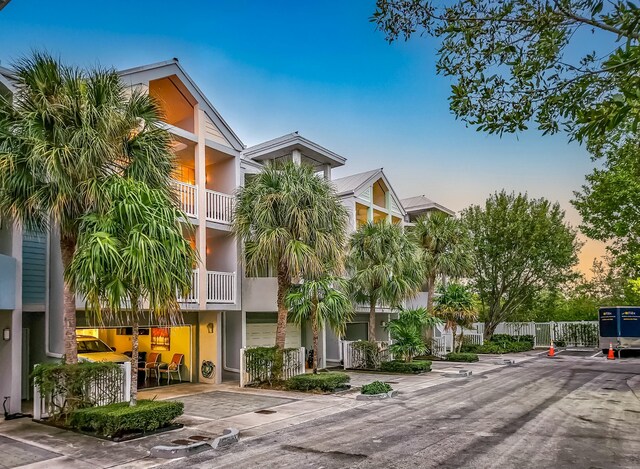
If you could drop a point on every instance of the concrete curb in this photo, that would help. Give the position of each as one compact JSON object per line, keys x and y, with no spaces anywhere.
{"x":459,"y":374}
{"x":376,"y":397}
{"x":229,"y":437}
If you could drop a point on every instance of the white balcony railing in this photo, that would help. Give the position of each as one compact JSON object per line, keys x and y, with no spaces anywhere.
{"x":188,"y":197}
{"x":221,"y":287}
{"x":192,"y":297}
{"x":219,"y":207}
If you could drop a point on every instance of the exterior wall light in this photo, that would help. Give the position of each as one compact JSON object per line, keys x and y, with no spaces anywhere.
{"x":210,"y":328}
{"x":6,"y":334}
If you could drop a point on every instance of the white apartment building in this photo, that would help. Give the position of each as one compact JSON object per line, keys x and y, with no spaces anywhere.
{"x":225,"y":311}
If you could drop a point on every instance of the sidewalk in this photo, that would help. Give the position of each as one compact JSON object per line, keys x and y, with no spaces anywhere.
{"x":209,"y":409}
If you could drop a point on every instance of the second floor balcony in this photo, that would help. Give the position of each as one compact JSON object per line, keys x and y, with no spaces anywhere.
{"x":219,"y":206}
{"x":221,"y":288}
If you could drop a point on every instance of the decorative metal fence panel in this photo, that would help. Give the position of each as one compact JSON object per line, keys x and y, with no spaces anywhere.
{"x":564,"y":333}
{"x":254,"y":370}
{"x":108,"y":388}
{"x":360,"y":355}
{"x":577,"y":333}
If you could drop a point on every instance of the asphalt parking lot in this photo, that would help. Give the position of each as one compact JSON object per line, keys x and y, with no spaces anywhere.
{"x":576,"y":411}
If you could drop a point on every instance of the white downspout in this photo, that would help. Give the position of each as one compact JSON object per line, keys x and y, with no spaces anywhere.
{"x":47,"y":341}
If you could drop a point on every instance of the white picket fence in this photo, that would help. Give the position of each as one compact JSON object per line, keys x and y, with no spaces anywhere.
{"x":100,"y":392}
{"x":355,"y":358}
{"x":252,"y":373}
{"x":573,"y":333}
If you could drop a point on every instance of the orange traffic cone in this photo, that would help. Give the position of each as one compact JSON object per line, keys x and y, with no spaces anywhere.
{"x":610,"y":355}
{"x":552,"y":351}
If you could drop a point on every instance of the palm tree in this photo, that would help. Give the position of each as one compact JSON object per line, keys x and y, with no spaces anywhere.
{"x":132,"y":258}
{"x":444,"y":249}
{"x":290,"y":220}
{"x":323,"y":303}
{"x":384,"y":267}
{"x":457,"y":307}
{"x":61,"y":135}
{"x":406,"y":332}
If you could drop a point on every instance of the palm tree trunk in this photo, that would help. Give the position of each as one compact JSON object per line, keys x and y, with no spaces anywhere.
{"x":454,"y":329}
{"x":461,"y":339}
{"x":431,"y":288}
{"x":281,"y":329}
{"x":372,"y":320}
{"x":68,"y":248}
{"x":314,"y":327}
{"x":134,"y":359}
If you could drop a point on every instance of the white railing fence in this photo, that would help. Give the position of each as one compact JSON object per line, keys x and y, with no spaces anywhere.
{"x":221,"y":287}
{"x":219,"y":207}
{"x":193,"y":296}
{"x":106,"y":389}
{"x":188,"y":197}
{"x":254,"y":370}
{"x":357,"y":357}
{"x":569,"y":333}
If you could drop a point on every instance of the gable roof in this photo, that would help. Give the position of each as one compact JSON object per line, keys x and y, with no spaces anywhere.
{"x":351,"y":184}
{"x":7,"y":78}
{"x":422,"y":203}
{"x":173,"y":67}
{"x":354,"y":184}
{"x":285,"y":144}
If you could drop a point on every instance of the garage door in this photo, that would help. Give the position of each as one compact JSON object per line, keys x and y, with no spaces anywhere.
{"x":264,"y":335}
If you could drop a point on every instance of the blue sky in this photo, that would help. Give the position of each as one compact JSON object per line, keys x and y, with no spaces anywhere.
{"x":317,"y":67}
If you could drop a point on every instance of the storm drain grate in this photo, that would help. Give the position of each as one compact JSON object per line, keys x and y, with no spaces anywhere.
{"x":199,"y":438}
{"x":265,"y":411}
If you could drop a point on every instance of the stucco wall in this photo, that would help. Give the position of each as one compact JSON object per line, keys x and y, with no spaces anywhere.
{"x":260,"y":294}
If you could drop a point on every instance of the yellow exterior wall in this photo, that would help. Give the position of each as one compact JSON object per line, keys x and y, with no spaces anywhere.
{"x":208,"y":343}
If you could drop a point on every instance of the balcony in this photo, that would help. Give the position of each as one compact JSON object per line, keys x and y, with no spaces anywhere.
{"x":188,"y":197}
{"x":219,"y":206}
{"x":221,"y":288}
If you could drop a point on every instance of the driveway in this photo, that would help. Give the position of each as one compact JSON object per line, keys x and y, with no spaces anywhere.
{"x":570,"y":412}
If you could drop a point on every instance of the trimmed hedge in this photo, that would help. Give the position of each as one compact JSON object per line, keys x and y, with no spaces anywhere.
{"x":377,"y":387}
{"x":327,"y":382}
{"x":114,"y":420}
{"x":494,"y":346}
{"x":462,"y":357}
{"x":397,"y":366}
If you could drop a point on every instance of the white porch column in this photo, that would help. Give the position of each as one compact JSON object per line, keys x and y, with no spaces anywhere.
{"x":296,"y":157}
{"x":327,"y":172}
{"x":201,"y":182}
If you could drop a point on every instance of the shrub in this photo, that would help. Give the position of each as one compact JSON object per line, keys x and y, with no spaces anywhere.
{"x":462,"y":357}
{"x":396,"y":366}
{"x":500,"y":338}
{"x":114,"y":420}
{"x":69,"y":387}
{"x":502,"y":347}
{"x":262,"y":363}
{"x":377,"y":387}
{"x":327,"y":382}
{"x":367,"y":355}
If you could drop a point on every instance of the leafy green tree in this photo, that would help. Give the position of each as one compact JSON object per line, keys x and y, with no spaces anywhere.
{"x":323,"y":302}
{"x":384,"y":267}
{"x":407,"y":332}
{"x":290,"y":220}
{"x":520,"y":246}
{"x":609,"y":203}
{"x":131,"y":258}
{"x":456,"y":305}
{"x":564,"y":64}
{"x":61,"y":135}
{"x":444,"y":248}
